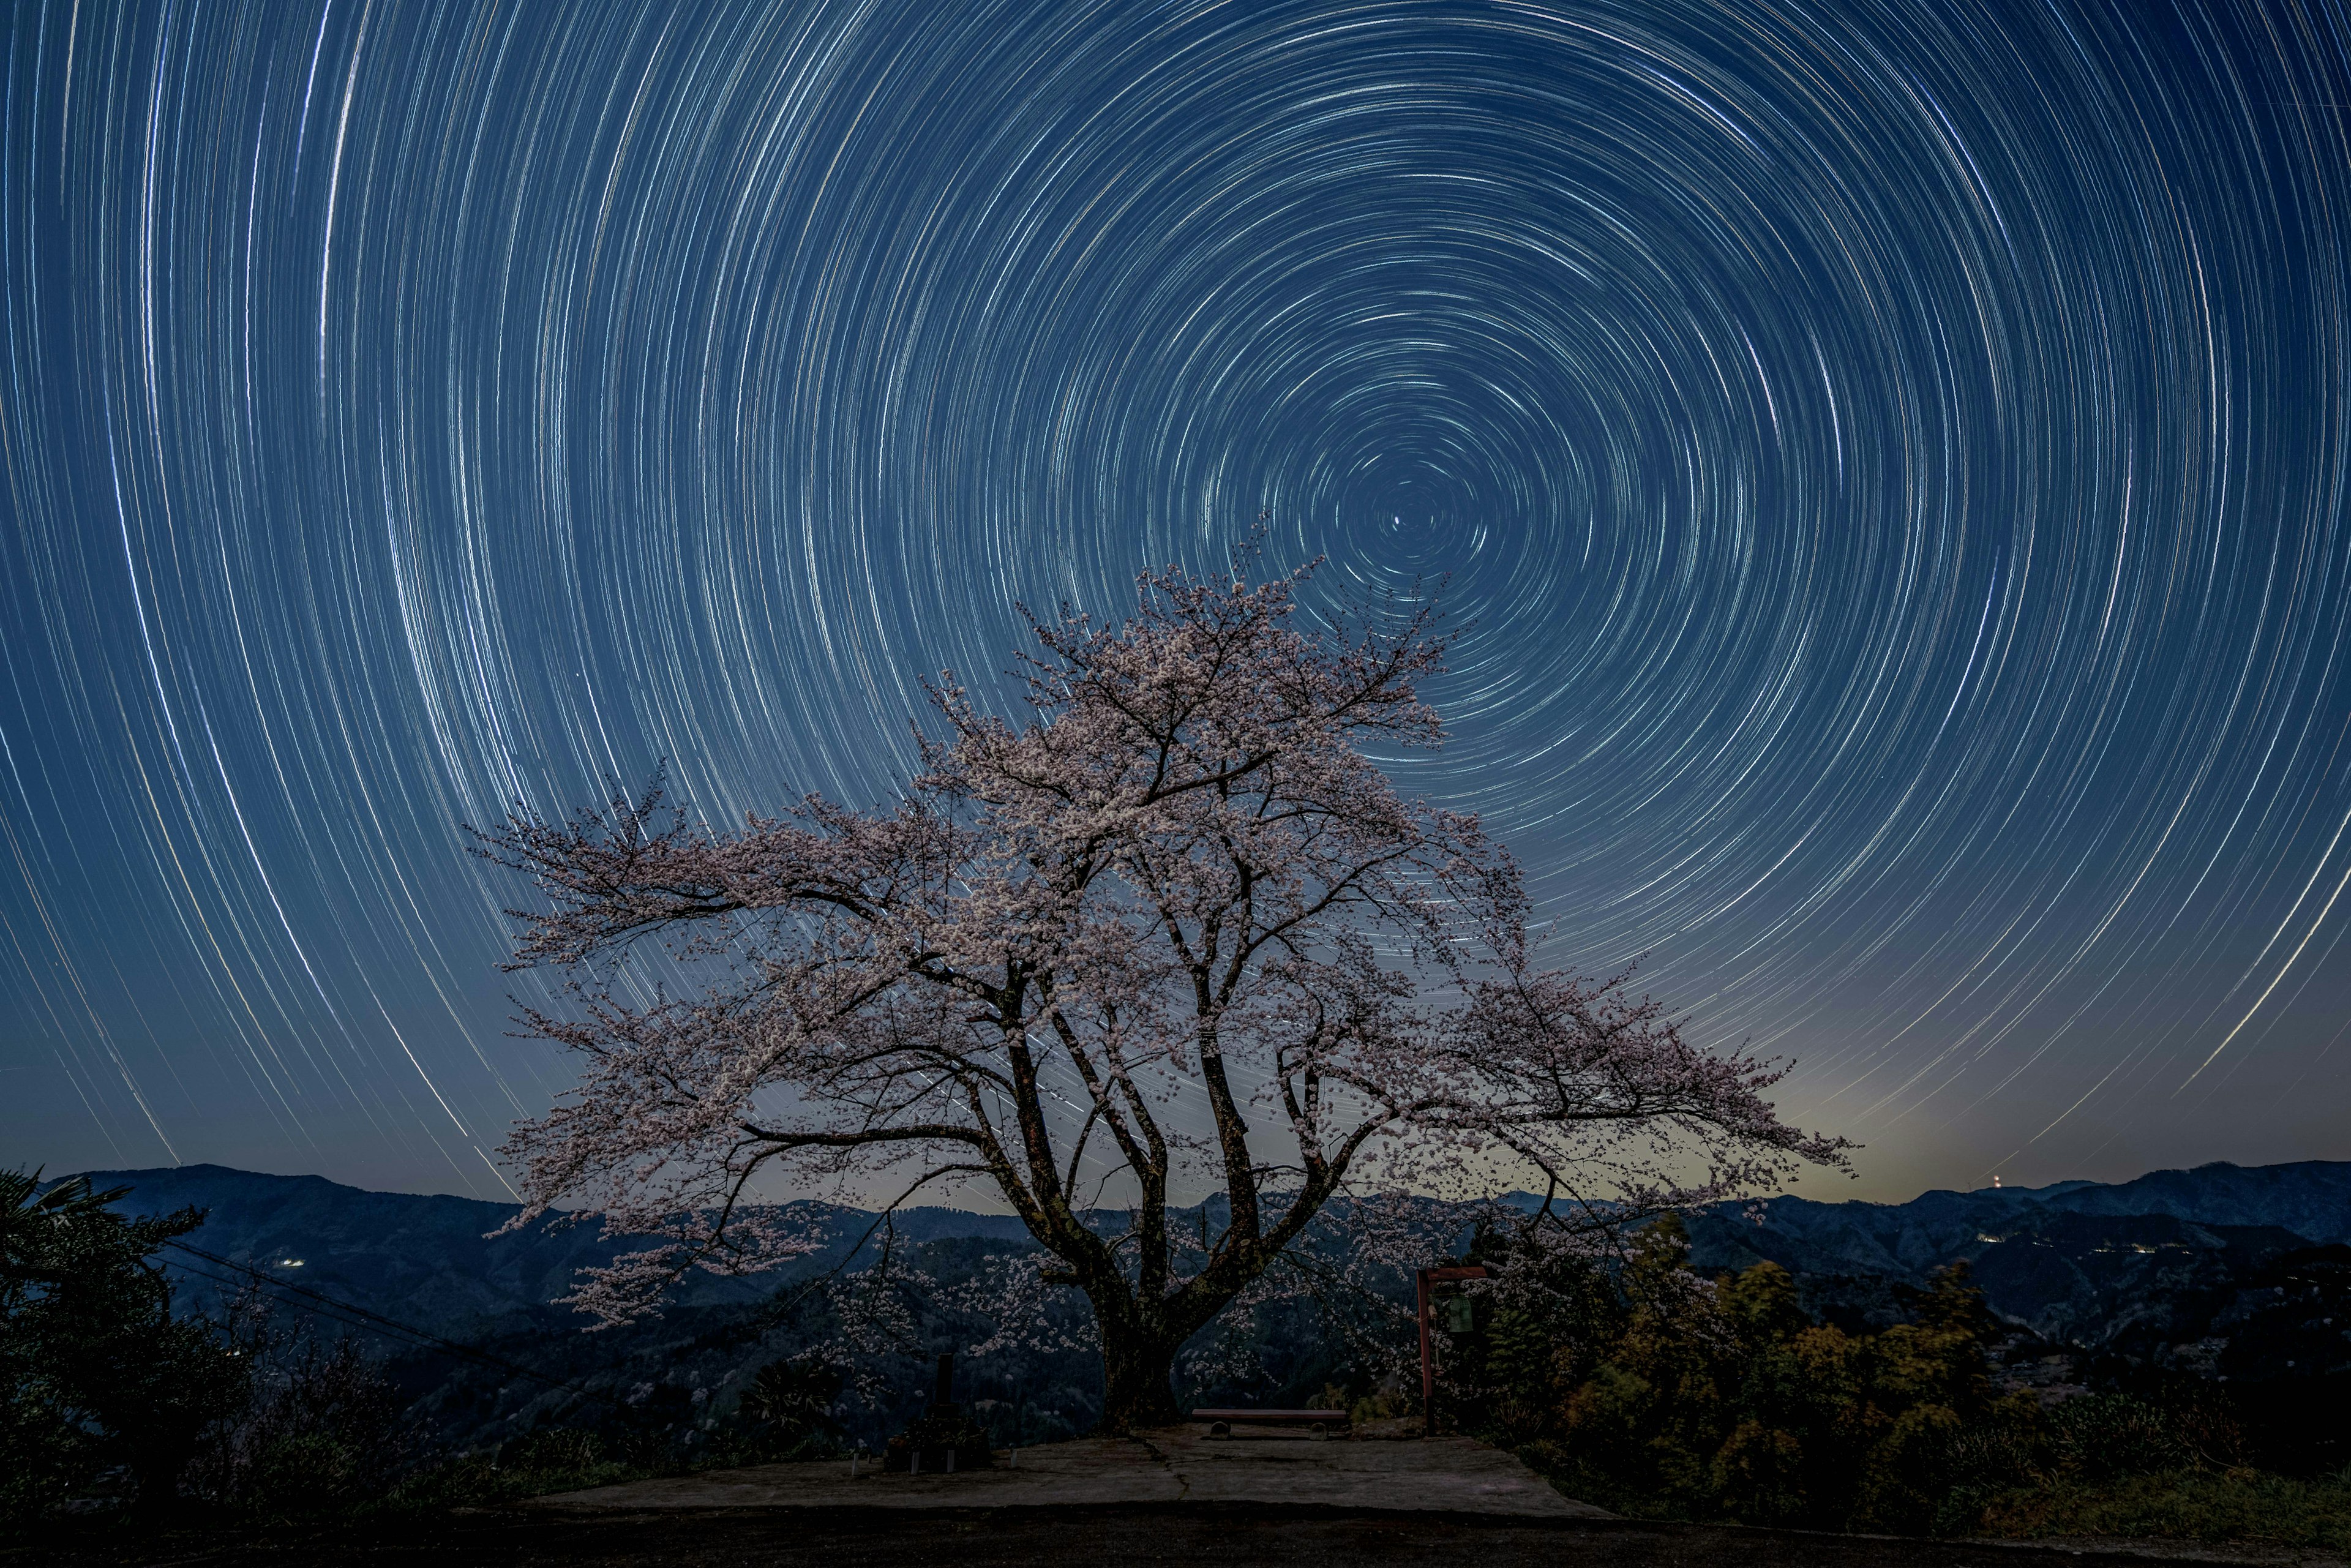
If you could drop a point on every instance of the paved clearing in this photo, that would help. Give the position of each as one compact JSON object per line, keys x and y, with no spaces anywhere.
{"x":1200,"y":1536}
{"x":1172,"y":1496}
{"x":1170,"y":1466}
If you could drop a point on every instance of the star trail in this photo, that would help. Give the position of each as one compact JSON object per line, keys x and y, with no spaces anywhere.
{"x":1888,"y":464}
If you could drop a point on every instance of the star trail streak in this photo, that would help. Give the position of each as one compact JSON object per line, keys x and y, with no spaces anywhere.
{"x":1890,"y":462}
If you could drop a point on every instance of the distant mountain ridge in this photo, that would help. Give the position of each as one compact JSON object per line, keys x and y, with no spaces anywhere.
{"x":2211,"y":1273}
{"x":427,"y":1260}
{"x":2154,"y":1263}
{"x":2311,"y":1199}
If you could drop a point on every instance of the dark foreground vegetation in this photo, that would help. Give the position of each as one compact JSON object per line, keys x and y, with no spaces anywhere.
{"x":1655,"y":1393}
{"x":1683,"y":1397}
{"x":112,"y":1407}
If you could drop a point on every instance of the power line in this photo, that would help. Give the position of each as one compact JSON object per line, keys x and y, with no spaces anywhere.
{"x":356,"y":1316}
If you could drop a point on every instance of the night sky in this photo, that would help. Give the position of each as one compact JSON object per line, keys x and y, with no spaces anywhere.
{"x":1891,"y":464}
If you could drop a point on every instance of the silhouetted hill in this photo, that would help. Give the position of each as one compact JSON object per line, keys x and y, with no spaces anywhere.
{"x":2176,"y":1270}
{"x":431,"y":1261}
{"x":2311,"y":1199}
{"x":2066,"y":1258}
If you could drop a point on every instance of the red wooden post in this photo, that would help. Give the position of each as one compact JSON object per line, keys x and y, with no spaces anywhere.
{"x":1421,"y":1281}
{"x":1427,"y":1366}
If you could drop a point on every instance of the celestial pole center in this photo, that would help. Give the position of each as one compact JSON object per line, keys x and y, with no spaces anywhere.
{"x":1888,"y":468}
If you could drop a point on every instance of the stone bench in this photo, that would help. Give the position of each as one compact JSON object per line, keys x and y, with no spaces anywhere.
{"x":1320,"y":1423}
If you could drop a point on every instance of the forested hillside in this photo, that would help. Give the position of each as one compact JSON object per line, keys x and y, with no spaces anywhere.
{"x":2177,"y":1271}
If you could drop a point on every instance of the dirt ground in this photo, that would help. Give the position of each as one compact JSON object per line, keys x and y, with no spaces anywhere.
{"x":1166,"y":1465}
{"x":1194,"y":1534}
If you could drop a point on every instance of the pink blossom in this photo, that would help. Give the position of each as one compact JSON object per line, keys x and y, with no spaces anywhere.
{"x":1173,"y":933}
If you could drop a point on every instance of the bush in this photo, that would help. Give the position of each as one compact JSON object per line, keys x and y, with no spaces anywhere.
{"x":550,"y":1459}
{"x":2105,"y":1437}
{"x":323,"y":1433}
{"x":787,"y":1412}
{"x":553,"y":1450}
{"x":1658,"y":1394}
{"x":2185,"y":1504}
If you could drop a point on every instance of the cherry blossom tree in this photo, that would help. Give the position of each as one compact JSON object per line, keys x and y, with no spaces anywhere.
{"x":1172,"y":933}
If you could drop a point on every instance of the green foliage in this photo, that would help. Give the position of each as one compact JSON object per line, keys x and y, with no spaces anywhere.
{"x":552,"y":1459}
{"x":1662,"y":1395}
{"x":2198,"y":1504}
{"x":553,"y":1450}
{"x":95,"y":1372}
{"x":2105,"y":1436}
{"x":781,"y":1417}
{"x":789,"y":1403}
{"x":324,"y":1433}
{"x":1658,"y":1394}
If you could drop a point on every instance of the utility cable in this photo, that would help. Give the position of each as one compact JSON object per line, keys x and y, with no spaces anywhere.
{"x":355,"y":1316}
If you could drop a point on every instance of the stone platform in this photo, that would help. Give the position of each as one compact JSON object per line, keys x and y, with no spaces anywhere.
{"x":1168,"y":1465}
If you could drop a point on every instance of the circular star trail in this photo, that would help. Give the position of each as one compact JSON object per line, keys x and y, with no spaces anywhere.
{"x":1888,"y":465}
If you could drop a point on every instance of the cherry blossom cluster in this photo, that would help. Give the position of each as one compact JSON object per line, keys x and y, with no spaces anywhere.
{"x":1172,"y":933}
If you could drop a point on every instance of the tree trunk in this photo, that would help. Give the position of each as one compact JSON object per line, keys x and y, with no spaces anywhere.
{"x":1136,"y":1392}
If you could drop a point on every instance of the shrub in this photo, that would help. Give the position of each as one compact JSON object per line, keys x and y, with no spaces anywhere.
{"x":323,"y":1433}
{"x":1658,"y":1393}
{"x":95,"y":1370}
{"x":2188,"y":1504}
{"x":786,"y":1411}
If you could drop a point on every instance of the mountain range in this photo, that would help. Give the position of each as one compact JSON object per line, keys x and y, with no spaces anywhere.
{"x":2043,"y":1255}
{"x":2224,"y":1271}
{"x":2086,"y":1264}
